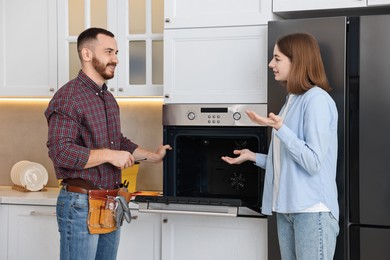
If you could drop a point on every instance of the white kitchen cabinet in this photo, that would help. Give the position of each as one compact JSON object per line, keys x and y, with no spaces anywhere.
{"x":194,"y":237}
{"x":28,"y":48}
{"x":3,"y":232}
{"x":139,"y":72}
{"x":216,"y":65}
{"x":378,"y":2}
{"x":206,"y":13}
{"x":32,"y":232}
{"x":304,"y":5}
{"x":141,"y":238}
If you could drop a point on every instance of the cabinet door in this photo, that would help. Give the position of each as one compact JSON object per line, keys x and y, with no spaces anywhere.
{"x":3,"y":231}
{"x":33,"y":233}
{"x":139,"y":72}
{"x":303,"y":5}
{"x":208,"y":238}
{"x":378,"y":2}
{"x":216,"y":65}
{"x":141,"y":238}
{"x":206,"y":13}
{"x":28,"y":52}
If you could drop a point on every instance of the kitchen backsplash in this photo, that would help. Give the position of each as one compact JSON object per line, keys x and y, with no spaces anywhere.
{"x":23,"y":136}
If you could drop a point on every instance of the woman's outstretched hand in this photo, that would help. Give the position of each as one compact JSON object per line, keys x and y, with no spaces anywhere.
{"x":243,"y":156}
{"x":272,"y":120}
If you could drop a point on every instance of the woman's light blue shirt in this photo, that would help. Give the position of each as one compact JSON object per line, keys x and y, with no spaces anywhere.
{"x":308,"y":152}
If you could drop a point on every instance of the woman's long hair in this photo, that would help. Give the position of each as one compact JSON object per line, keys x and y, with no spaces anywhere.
{"x":307,"y":69}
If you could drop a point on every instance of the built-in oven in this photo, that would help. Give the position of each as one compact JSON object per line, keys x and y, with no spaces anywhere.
{"x":194,"y":173}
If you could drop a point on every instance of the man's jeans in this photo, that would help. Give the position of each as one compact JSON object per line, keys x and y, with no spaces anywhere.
{"x":76,"y":242}
{"x":307,"y":236}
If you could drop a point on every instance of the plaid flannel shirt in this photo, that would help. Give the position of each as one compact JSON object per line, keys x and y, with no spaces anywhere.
{"x":82,"y":116}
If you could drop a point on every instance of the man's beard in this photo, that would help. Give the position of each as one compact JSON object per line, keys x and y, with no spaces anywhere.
{"x":101,"y":68}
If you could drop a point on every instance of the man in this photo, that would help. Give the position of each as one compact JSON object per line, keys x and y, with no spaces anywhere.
{"x":87,"y":147}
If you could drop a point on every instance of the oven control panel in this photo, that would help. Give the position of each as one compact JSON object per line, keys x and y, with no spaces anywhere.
{"x":211,"y":114}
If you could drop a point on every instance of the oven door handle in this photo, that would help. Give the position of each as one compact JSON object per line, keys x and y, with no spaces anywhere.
{"x":231,"y":211}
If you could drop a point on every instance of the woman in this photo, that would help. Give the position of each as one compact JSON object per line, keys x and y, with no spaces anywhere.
{"x":300,"y":182}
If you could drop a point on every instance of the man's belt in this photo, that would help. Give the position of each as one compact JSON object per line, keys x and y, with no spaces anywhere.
{"x":85,"y":187}
{"x":102,"y":193}
{"x":76,"y":189}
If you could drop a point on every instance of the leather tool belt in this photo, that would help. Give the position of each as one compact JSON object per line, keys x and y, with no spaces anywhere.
{"x":107,"y":208}
{"x":102,"y":211}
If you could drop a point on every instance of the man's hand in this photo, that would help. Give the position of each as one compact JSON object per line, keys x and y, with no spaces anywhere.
{"x":120,"y":159}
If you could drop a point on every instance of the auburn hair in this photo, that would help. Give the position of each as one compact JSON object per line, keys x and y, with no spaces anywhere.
{"x":307,"y":69}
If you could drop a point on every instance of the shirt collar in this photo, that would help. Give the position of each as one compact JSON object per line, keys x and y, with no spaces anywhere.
{"x":90,"y":83}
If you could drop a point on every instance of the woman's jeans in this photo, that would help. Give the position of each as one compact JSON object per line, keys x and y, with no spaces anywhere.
{"x":76,"y":242}
{"x":307,"y":236}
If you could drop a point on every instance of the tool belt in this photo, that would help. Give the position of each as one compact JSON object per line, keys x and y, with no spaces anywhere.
{"x":107,"y":208}
{"x":101,"y":214}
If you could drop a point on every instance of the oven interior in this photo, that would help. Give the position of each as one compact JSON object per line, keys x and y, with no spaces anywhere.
{"x":194,"y":167}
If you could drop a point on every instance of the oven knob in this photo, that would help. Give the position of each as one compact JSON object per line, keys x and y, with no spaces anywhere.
{"x":191,"y":115}
{"x":237,"y":116}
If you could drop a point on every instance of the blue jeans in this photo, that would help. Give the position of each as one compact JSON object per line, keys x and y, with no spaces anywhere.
{"x":75,"y":240}
{"x":307,"y":236}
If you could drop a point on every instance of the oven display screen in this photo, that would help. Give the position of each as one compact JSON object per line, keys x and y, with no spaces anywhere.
{"x":214,"y":110}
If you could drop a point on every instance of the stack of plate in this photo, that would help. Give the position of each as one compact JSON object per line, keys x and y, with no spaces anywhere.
{"x":30,"y":175}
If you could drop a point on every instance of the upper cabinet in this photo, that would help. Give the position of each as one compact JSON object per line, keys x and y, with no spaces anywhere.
{"x":216,"y":65}
{"x":216,"y":51}
{"x":138,"y":28}
{"x":28,"y":48}
{"x":304,"y":5}
{"x":206,"y":13}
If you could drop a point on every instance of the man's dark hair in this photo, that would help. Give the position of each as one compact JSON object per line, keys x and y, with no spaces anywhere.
{"x":89,"y":35}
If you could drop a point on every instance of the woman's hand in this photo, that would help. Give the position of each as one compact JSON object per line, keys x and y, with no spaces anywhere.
{"x":243,"y":156}
{"x":272,"y":120}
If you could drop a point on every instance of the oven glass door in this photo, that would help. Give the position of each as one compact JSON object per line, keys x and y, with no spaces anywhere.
{"x":194,"y":167}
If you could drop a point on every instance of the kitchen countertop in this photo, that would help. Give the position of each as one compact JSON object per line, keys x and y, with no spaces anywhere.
{"x":44,"y":198}
{"x":49,"y":196}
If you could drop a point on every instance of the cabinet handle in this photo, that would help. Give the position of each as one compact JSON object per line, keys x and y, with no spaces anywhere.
{"x":37,"y":213}
{"x":186,"y":212}
{"x":112,"y":89}
{"x":166,"y":95}
{"x":120,"y":89}
{"x":51,"y":89}
{"x":167,"y":20}
{"x":231,"y":211}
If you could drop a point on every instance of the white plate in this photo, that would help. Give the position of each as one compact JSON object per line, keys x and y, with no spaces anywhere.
{"x":44,"y":173}
{"x":21,"y":167}
{"x":15,"y":171}
{"x":31,"y":177}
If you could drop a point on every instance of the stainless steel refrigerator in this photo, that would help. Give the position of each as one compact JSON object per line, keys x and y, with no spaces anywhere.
{"x":356,"y":54}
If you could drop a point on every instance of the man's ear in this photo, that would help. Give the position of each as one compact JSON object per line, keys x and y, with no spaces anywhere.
{"x":86,"y":54}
